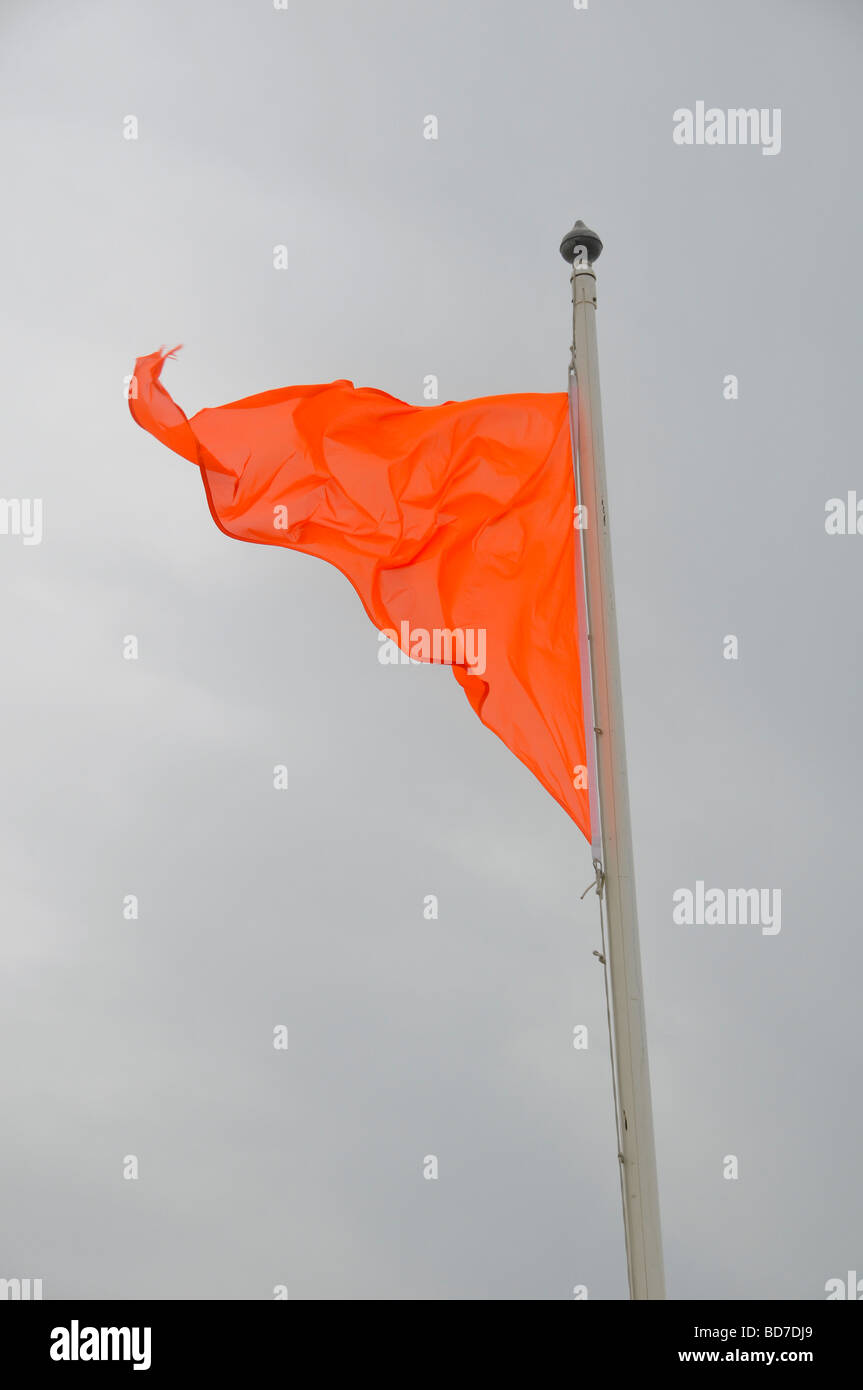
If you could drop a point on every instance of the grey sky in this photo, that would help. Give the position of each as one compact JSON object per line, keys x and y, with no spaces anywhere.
{"x":154,"y":777}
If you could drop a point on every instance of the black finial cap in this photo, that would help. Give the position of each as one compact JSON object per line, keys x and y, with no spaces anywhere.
{"x":581,"y":236}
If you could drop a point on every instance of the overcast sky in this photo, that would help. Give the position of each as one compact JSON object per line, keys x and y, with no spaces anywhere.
{"x":153,"y":1038}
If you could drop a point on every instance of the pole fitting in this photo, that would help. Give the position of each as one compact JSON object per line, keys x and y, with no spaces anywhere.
{"x":580,"y":239}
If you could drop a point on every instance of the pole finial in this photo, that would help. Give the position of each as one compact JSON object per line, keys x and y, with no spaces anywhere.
{"x":580,"y":235}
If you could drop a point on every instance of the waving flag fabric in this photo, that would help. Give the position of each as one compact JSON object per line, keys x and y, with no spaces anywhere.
{"x":454,"y":523}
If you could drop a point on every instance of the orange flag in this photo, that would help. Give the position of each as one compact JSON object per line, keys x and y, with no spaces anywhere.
{"x":454,"y":523}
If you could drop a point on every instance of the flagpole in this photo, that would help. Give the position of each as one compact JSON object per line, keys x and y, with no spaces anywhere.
{"x":615,"y":875}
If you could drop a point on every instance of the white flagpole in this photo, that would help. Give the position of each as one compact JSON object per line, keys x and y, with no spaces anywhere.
{"x":615,"y":875}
